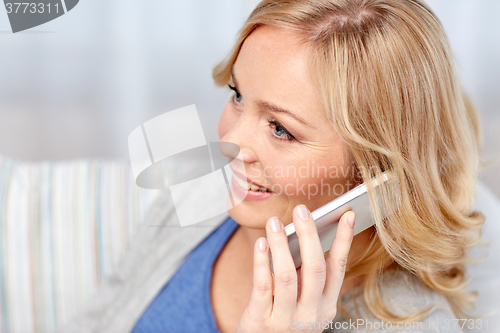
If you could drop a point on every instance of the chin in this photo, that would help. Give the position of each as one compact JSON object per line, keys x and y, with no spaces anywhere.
{"x":250,"y":215}
{"x":247,"y":218}
{"x":254,"y":214}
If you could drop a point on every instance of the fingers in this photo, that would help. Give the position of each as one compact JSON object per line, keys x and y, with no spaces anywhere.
{"x":336,"y":260}
{"x":313,"y":269}
{"x":261,"y":299}
{"x":321,"y":280}
{"x":285,"y":276}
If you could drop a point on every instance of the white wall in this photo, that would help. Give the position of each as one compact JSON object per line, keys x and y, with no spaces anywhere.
{"x":77,"y":86}
{"x":473,"y":29}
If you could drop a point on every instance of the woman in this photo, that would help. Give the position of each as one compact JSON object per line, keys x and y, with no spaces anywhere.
{"x":359,"y":87}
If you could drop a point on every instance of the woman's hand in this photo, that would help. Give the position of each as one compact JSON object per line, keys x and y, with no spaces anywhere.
{"x":306,"y":295}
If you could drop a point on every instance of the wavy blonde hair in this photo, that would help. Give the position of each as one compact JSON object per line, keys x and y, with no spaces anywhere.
{"x":385,"y":72}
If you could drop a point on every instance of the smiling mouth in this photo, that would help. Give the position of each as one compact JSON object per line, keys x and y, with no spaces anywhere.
{"x":250,"y":187}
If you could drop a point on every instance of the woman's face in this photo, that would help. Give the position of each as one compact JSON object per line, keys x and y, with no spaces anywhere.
{"x":277,"y":119}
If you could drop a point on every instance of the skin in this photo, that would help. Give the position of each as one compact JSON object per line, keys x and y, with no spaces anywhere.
{"x":272,"y":68}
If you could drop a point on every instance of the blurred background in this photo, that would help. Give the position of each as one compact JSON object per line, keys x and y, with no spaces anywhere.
{"x":77,"y":86}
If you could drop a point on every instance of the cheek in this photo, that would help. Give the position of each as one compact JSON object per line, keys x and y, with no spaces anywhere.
{"x":311,"y":182}
{"x":225,"y":121}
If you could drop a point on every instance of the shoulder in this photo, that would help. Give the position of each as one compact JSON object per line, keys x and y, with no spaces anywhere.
{"x":403,"y":294}
{"x":157,"y":250}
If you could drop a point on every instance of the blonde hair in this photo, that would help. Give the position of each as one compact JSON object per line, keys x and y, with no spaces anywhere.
{"x":386,"y":75}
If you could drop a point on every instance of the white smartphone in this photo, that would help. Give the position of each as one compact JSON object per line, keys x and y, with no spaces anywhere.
{"x":327,"y":217}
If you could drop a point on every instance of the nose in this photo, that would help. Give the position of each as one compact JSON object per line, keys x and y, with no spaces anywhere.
{"x":239,"y":133}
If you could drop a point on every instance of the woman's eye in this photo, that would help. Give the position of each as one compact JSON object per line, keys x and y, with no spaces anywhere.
{"x":280,"y":132}
{"x":237,"y":96}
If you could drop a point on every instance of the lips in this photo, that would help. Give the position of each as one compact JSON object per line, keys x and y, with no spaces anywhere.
{"x":241,"y":179}
{"x":247,"y":195}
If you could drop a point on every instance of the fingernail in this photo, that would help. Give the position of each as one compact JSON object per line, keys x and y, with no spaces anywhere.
{"x":275,"y":224}
{"x":262,"y":245}
{"x":352,"y":217}
{"x":303,"y":212}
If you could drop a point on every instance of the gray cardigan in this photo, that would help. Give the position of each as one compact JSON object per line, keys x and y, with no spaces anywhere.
{"x":158,"y":249}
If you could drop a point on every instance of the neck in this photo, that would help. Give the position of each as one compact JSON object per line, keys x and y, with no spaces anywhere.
{"x":246,"y":237}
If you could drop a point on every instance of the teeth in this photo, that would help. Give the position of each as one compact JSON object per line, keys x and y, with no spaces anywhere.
{"x":242,"y":183}
{"x":254,"y":188}
{"x":247,"y":186}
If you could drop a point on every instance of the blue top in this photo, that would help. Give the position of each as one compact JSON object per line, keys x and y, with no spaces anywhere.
{"x":183,"y":305}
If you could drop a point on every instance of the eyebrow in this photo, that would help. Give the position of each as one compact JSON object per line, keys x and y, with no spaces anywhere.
{"x":277,"y":109}
{"x":270,"y":107}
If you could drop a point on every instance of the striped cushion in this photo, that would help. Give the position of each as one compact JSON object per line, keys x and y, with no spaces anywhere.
{"x":63,"y":226}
